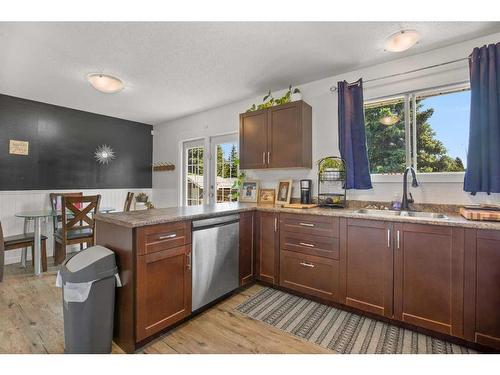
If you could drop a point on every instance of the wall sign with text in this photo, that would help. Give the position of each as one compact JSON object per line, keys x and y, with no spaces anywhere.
{"x":18,"y":147}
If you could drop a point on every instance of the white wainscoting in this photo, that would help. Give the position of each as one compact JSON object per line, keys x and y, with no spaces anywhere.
{"x":12,"y":202}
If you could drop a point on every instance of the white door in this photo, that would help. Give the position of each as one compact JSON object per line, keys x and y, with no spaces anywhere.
{"x":224,"y":168}
{"x":193,"y":173}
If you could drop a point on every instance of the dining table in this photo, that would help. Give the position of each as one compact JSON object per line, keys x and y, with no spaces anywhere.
{"x":38,"y":217}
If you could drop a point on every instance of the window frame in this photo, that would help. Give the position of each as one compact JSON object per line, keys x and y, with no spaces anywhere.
{"x":410,"y":98}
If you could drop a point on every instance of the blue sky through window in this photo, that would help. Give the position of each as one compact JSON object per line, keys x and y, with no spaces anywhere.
{"x":450,"y":121}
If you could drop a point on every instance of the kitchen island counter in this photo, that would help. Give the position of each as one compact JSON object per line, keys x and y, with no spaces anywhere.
{"x":135,"y":219}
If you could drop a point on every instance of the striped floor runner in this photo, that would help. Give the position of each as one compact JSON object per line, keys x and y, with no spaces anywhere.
{"x":338,"y":330}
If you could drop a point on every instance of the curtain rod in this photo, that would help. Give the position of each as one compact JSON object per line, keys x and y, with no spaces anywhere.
{"x":334,"y":88}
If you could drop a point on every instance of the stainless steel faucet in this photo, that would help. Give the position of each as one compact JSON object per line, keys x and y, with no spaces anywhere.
{"x":405,"y":203}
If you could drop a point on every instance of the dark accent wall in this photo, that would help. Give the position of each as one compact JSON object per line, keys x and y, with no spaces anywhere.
{"x":62,"y":142}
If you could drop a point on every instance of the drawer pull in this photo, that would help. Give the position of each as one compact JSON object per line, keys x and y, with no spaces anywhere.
{"x":304,"y":264}
{"x":306,"y":224}
{"x":167,"y":236}
{"x":306,"y":244}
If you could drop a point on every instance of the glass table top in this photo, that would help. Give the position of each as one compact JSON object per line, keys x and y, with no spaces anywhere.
{"x":50,"y":213}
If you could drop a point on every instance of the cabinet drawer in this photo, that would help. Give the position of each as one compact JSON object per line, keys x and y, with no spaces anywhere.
{"x":310,"y":224}
{"x":163,"y":236}
{"x":309,"y":274}
{"x":309,"y":244}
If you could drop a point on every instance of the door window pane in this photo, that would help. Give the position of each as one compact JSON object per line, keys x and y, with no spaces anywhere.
{"x":194,"y":177}
{"x":385,"y":136}
{"x":227,"y":163}
{"x":443,"y":131}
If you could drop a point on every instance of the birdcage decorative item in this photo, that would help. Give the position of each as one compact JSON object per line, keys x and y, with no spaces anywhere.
{"x":332,"y":182}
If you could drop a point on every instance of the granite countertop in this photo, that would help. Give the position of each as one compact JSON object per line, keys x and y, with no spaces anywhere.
{"x":134,"y":219}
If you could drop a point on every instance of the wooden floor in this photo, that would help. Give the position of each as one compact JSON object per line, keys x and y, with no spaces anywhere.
{"x":31,"y":321}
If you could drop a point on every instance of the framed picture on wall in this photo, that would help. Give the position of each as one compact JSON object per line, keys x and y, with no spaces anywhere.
{"x":267,"y":196}
{"x":284,"y":192}
{"x":249,"y":191}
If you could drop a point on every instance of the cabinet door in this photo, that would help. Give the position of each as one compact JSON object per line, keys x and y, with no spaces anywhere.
{"x":309,"y":274}
{"x":267,"y":247}
{"x":367,"y":256}
{"x":246,"y":248}
{"x":285,"y":137}
{"x":163,"y":290}
{"x":253,"y":140}
{"x":428,"y":279}
{"x":482,"y":287}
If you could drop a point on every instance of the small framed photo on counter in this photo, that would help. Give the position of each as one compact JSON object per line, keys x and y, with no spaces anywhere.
{"x":267,"y":196}
{"x":284,"y":192}
{"x":249,"y":192}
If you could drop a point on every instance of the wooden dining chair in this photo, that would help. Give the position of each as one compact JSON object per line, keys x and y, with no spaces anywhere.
{"x":20,"y":241}
{"x":56,"y":205}
{"x":128,"y":201}
{"x":78,"y":225}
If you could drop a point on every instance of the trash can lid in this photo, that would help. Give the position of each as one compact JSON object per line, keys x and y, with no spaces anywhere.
{"x":93,"y":263}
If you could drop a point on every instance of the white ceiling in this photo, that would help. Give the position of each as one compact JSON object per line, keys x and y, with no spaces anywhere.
{"x":173,"y":69}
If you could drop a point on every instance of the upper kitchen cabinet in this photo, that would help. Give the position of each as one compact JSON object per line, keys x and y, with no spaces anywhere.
{"x":277,"y":137}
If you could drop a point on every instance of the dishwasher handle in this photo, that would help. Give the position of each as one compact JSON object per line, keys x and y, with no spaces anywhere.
{"x":215,"y":222}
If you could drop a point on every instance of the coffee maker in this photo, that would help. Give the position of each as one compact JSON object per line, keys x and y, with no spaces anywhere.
{"x":305,"y":191}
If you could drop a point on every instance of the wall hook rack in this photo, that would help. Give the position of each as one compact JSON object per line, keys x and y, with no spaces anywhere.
{"x":162,"y":167}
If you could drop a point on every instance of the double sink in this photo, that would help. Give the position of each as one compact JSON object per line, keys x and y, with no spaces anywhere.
{"x":413,"y":214}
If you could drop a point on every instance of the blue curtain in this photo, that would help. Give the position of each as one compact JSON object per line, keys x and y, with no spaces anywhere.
{"x":483,"y":157}
{"x":352,"y":139}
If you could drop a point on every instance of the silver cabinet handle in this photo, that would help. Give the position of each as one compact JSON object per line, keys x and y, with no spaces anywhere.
{"x":306,"y":244}
{"x":397,"y":238}
{"x":263,"y":158}
{"x":268,"y":157}
{"x":275,"y":224}
{"x":167,"y":236}
{"x":306,"y":224}
{"x":304,"y":264}
{"x":188,"y":261}
{"x":388,"y":238}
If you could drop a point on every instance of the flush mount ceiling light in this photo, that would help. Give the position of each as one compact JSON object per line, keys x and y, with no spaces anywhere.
{"x":105,"y":83}
{"x":402,"y":40}
{"x":389,"y":120}
{"x":104,"y":154}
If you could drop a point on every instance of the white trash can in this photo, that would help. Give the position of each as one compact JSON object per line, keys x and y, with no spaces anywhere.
{"x":88,"y":280}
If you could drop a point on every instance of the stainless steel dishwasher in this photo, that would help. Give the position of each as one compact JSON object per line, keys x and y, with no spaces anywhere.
{"x":215,"y":258}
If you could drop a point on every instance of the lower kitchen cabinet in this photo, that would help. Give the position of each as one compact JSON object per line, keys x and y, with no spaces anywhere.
{"x":246,"y":248}
{"x":482,"y":287}
{"x":428,"y":276}
{"x":267,"y":249}
{"x":366,"y":276}
{"x":313,"y":275}
{"x":163,"y":290}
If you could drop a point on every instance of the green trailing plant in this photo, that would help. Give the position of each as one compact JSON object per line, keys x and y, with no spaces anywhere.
{"x":269,"y":101}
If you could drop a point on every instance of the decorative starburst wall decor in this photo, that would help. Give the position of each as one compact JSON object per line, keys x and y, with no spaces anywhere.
{"x":104,"y":154}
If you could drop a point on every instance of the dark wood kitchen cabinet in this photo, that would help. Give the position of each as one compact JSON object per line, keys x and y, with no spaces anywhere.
{"x":428,"y":276}
{"x":482,"y":287}
{"x":163,"y":289}
{"x":246,"y":248}
{"x":267,"y":247}
{"x":309,"y":253}
{"x":366,"y":275}
{"x":277,"y":137}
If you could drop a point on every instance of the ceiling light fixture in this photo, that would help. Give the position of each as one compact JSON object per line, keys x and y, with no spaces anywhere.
{"x":402,"y":40}
{"x":105,"y":83}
